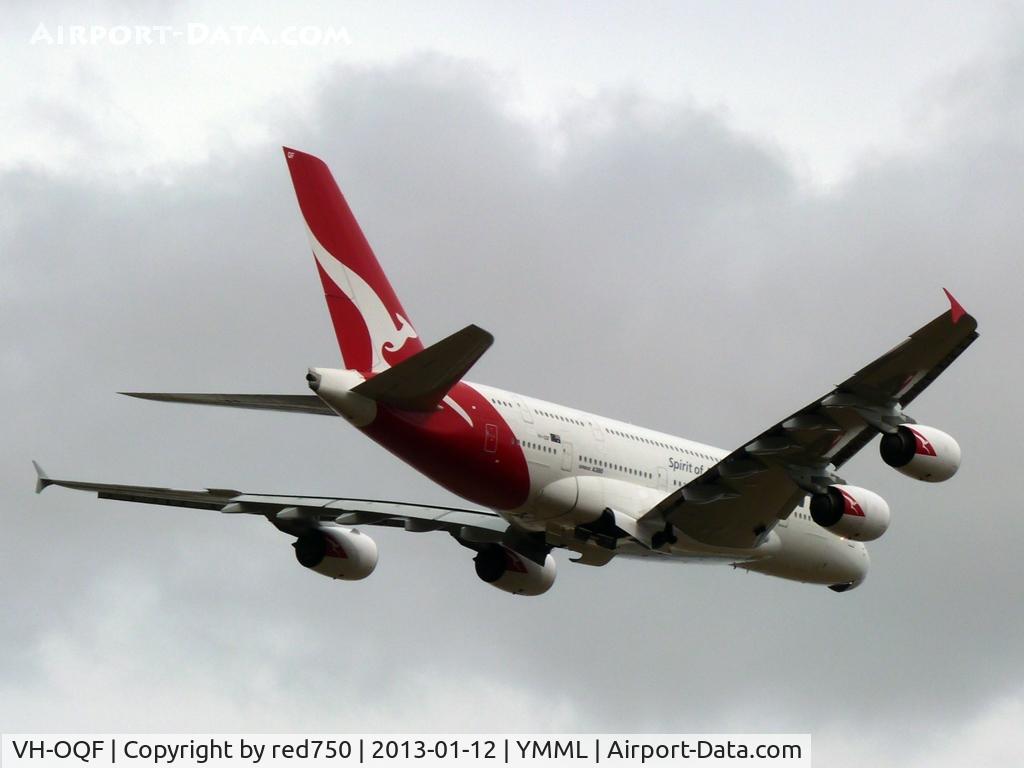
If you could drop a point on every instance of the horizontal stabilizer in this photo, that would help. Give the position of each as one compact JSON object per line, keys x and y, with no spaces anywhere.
{"x":420,"y":382}
{"x":286,"y":403}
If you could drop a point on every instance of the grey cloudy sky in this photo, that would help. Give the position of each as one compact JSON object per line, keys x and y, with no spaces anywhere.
{"x":692,"y":219}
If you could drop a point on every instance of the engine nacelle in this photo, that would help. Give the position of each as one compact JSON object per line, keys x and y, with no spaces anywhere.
{"x":921,"y":452}
{"x":851,"y":512}
{"x":338,"y":553}
{"x":500,"y":567}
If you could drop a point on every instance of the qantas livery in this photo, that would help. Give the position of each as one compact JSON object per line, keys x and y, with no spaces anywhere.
{"x":544,"y":476}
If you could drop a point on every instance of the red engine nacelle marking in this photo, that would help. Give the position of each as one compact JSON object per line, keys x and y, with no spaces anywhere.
{"x":850,"y":504}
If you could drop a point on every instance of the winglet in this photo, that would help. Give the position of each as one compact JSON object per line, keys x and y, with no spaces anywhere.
{"x":42,"y":479}
{"x":956,"y":311}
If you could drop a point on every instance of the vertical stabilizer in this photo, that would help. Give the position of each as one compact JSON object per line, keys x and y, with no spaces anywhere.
{"x":373,"y":329}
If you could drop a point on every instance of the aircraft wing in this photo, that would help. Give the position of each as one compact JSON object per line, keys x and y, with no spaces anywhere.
{"x":738,"y":500}
{"x":286,"y":403}
{"x":290,"y":513}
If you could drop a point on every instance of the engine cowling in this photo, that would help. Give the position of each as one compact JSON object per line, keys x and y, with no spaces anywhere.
{"x":921,"y":452}
{"x":851,"y":512}
{"x":337,"y":553}
{"x":500,"y":567}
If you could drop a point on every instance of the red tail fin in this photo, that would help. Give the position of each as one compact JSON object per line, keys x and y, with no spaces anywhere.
{"x":372,"y":327}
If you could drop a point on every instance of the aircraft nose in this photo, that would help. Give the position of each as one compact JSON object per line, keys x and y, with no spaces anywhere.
{"x":854,"y":568}
{"x":858,"y":562}
{"x":864,"y":561}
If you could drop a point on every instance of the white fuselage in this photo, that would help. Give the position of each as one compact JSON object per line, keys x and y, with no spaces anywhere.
{"x":634,"y":468}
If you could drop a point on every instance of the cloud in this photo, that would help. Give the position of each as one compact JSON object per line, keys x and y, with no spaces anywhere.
{"x":987,"y":739}
{"x":676,"y":275}
{"x":116,"y":650}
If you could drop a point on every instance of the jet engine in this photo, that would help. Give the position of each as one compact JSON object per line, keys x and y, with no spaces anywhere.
{"x":851,"y":512}
{"x":500,"y":567}
{"x":338,"y":553}
{"x":921,"y":452}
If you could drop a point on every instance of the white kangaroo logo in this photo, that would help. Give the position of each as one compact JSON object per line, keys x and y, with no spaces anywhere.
{"x":384,"y":334}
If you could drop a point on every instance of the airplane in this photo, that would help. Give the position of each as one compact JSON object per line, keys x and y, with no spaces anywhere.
{"x":547,"y":476}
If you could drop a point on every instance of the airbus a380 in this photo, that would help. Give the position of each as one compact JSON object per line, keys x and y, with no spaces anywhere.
{"x":548,"y":476}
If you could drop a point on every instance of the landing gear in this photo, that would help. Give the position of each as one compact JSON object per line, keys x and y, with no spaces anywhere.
{"x":665,"y":536}
{"x":603,"y":531}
